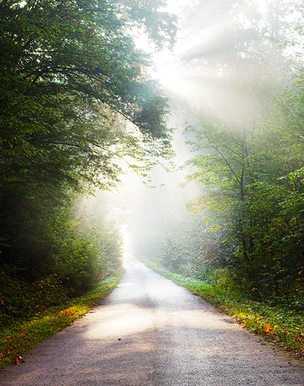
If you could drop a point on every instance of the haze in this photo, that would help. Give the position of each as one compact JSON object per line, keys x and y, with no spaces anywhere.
{"x":224,"y":60}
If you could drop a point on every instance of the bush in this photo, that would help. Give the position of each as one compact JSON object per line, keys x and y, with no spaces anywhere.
{"x":20,"y":299}
{"x":47,"y":253}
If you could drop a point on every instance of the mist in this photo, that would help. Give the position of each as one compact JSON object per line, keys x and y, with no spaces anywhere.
{"x":127,"y":132}
{"x":227,"y":66}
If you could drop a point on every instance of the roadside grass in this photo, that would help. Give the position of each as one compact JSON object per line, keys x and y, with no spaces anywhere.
{"x":277,"y":324}
{"x":21,"y":336}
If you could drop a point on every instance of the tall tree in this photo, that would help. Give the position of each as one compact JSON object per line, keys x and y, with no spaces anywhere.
{"x":75,"y":99}
{"x":66,"y":68}
{"x":247,"y":160}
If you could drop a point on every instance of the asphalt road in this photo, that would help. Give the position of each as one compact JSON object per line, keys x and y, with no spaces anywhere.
{"x":151,"y":332}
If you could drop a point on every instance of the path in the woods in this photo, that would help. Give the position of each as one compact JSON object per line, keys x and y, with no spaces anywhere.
{"x":147,"y":332}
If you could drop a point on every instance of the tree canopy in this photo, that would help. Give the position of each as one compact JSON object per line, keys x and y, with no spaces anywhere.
{"x":75,"y":100}
{"x":249,"y":159}
{"x":243,"y":61}
{"x":69,"y":69}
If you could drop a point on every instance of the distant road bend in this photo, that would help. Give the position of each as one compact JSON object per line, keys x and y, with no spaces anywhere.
{"x":147,"y":332}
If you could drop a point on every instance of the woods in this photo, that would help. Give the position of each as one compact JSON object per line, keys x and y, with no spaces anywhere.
{"x":75,"y":102}
{"x":78,"y":104}
{"x":252,"y":166}
{"x":253,"y":198}
{"x":244,"y":228}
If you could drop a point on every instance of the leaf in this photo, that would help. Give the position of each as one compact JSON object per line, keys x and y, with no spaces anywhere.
{"x":268,"y":328}
{"x":17,"y":360}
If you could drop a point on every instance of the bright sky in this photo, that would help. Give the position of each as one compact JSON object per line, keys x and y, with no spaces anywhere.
{"x":211,"y":36}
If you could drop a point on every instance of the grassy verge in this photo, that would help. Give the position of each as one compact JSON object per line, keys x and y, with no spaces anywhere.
{"x":21,"y":336}
{"x":284,"y":327}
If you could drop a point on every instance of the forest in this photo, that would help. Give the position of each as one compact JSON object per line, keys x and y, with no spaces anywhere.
{"x":76,"y":105}
{"x":79,"y":107}
{"x":241,"y":116}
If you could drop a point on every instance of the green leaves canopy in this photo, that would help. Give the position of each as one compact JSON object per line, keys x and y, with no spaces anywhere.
{"x":253,"y":197}
{"x":68,"y":70}
{"x":74,"y":101}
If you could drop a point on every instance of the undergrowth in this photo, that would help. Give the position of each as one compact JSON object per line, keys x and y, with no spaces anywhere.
{"x":278,"y":324}
{"x":20,"y":336}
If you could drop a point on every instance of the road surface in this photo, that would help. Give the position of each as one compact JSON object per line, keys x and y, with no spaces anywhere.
{"x":147,"y":332}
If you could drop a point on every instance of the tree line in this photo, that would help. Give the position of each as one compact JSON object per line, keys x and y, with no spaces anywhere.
{"x":251,"y":168}
{"x":246,"y":227}
{"x":75,"y":102}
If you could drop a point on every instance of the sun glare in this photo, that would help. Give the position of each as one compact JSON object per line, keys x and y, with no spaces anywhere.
{"x":262,"y":5}
{"x":166,"y":69}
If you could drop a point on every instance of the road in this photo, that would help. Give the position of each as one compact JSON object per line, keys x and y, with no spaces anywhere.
{"x":147,"y":332}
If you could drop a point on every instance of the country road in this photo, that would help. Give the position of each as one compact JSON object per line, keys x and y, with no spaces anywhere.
{"x":151,"y":332}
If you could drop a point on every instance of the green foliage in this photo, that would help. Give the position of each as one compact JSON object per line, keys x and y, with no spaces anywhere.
{"x":50,"y":254}
{"x":280,"y":325}
{"x":83,"y":256}
{"x":68,"y":70}
{"x":248,"y":159}
{"x":252,"y":200}
{"x":19,"y":336}
{"x":159,"y":25}
{"x":21,"y":299}
{"x":74,"y":102}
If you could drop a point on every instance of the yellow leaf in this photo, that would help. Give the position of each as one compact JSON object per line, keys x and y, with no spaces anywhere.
{"x":267,"y":328}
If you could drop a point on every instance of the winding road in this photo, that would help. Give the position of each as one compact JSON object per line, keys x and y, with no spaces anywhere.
{"x":147,"y":332}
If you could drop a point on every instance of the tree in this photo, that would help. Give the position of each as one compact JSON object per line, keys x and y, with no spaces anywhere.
{"x":70,"y":67}
{"x":253,"y":200}
{"x":249,"y":159}
{"x":75,"y":100}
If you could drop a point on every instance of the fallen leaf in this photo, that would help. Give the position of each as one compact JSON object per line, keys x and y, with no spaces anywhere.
{"x":268,"y":328}
{"x":17,"y":360}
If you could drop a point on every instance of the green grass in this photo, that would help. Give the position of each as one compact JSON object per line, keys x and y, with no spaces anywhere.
{"x":21,"y":336}
{"x":278,"y":324}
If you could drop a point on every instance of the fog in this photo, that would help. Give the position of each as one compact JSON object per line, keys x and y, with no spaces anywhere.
{"x":143,"y":210}
{"x":226,"y":62}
